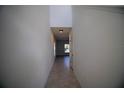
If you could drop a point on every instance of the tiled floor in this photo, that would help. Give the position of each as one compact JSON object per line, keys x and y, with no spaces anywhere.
{"x":61,"y":75}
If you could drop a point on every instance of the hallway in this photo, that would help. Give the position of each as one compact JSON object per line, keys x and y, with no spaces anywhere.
{"x":61,"y":76}
{"x":31,"y":37}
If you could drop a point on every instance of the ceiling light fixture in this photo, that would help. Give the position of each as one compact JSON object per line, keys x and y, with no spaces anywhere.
{"x":61,"y":31}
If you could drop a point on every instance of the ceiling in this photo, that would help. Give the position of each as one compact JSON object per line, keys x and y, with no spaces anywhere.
{"x":61,"y":36}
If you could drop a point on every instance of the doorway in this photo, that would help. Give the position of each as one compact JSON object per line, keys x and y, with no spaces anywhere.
{"x":66,"y":48}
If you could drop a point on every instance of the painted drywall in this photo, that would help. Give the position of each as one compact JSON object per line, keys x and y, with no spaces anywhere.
{"x":60,"y":16}
{"x":98,"y":46}
{"x":26,"y":48}
{"x":54,"y":42}
{"x":60,"y":51}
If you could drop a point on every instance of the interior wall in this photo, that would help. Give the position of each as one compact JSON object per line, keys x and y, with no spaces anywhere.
{"x":54,"y":42}
{"x":60,"y":16}
{"x":60,"y":50}
{"x":26,"y":50}
{"x":98,"y":46}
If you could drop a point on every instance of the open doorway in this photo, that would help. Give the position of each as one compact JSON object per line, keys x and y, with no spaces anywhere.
{"x":67,"y":48}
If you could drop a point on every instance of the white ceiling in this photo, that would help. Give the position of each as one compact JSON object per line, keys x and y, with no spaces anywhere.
{"x":61,"y":36}
{"x":60,"y":16}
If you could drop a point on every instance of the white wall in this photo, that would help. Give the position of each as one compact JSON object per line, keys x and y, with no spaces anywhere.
{"x":98,"y":46}
{"x":26,"y":49}
{"x":60,"y":16}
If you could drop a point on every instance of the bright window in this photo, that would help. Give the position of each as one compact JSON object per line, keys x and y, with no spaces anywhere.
{"x":67,"y":48}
